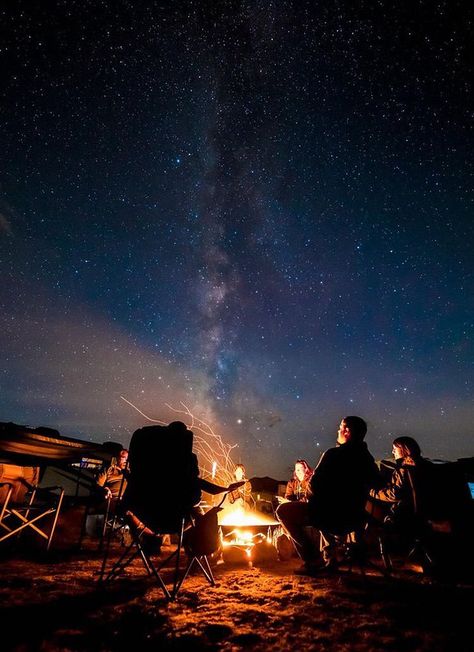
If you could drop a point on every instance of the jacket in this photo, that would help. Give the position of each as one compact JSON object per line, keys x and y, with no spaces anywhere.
{"x":340,"y":486}
{"x":113,"y":478}
{"x":296,"y":490}
{"x":242,"y":495}
{"x":409,"y":489}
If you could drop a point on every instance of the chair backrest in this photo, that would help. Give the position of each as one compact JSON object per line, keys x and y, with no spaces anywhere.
{"x":163,"y":482}
{"x":439,"y":492}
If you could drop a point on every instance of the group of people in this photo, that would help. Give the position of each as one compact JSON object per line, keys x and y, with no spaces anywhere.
{"x":335,"y":496}
{"x":140,"y":476}
{"x":332,"y":498}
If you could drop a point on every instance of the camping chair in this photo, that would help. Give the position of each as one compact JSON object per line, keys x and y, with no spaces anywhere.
{"x":355,"y":549}
{"x":356,"y":553}
{"x":26,"y":506}
{"x":436,"y":533}
{"x":199,"y":538}
{"x":151,"y":509}
{"x":107,"y":510}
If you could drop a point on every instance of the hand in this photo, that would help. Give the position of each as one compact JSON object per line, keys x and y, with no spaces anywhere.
{"x":235,"y":485}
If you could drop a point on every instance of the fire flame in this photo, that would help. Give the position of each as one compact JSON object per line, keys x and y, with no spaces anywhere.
{"x":241,"y":517}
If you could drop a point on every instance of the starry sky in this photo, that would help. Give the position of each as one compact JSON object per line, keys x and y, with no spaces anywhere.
{"x":261,"y":209}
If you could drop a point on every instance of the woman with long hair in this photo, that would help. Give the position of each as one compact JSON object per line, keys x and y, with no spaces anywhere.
{"x":298,"y":486}
{"x":409,"y":486}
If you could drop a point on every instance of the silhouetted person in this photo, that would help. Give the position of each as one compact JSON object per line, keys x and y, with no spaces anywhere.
{"x":338,"y":493}
{"x":164,"y":483}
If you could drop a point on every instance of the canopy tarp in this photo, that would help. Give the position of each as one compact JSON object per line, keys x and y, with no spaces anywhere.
{"x":27,"y":446}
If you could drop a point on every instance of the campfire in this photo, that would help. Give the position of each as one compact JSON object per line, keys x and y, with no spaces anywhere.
{"x":247,"y":536}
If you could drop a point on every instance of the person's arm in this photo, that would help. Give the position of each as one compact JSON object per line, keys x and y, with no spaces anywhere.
{"x":101,"y":478}
{"x":214,"y":489}
{"x":290,"y":490}
{"x":101,"y":483}
{"x":392,"y":492}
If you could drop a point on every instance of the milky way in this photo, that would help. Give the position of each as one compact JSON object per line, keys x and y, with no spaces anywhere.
{"x":261,"y":209}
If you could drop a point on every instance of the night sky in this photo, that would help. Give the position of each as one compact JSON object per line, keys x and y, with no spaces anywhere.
{"x":260,"y":208}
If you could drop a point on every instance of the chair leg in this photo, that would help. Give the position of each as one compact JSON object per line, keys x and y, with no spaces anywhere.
{"x":127,"y":557}
{"x":206,"y":569}
{"x":105,"y":558}
{"x":178,"y":554}
{"x":56,"y":516}
{"x":122,"y":562}
{"x":384,"y":554}
{"x":203,"y":564}
{"x":106,"y":523}
{"x":357,"y":555}
{"x":5,"y":503}
{"x":419,"y":549}
{"x":174,"y":559}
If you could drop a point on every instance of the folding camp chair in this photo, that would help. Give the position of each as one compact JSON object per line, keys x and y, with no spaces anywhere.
{"x":104,"y":510}
{"x":151,"y":510}
{"x":436,"y":533}
{"x":199,"y":539}
{"x":353,"y":548}
{"x":27,"y":507}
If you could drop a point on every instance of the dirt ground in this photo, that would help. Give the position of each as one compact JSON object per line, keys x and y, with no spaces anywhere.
{"x":54,"y":603}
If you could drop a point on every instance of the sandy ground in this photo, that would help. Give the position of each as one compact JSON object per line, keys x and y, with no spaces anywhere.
{"x":54,"y":603}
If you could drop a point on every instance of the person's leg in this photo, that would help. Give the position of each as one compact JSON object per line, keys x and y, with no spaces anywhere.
{"x":294,"y":517}
{"x":329,"y":543}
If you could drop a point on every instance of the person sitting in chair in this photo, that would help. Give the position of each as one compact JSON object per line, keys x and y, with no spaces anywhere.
{"x":242,"y":496}
{"x":298,"y":486}
{"x":339,"y":489}
{"x":155,"y":494}
{"x":113,"y":480}
{"x":409,"y":484}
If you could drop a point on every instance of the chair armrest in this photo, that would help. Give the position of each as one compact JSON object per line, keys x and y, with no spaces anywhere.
{"x":43,"y":491}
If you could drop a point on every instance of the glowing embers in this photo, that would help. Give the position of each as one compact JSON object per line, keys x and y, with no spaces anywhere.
{"x":239,"y":517}
{"x":248,"y":537}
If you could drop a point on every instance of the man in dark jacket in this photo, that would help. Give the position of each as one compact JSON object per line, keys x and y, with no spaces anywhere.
{"x":338,"y":493}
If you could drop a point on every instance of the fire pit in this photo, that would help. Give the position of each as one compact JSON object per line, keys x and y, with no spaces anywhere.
{"x":247,"y":537}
